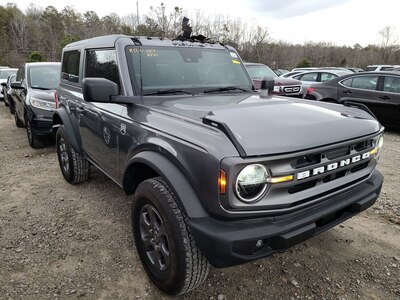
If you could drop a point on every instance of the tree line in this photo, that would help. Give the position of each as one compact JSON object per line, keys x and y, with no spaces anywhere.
{"x":45,"y":31}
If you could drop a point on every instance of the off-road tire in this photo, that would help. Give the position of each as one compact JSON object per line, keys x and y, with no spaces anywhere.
{"x":188,"y":268}
{"x":77,"y":168}
{"x":34,"y":140}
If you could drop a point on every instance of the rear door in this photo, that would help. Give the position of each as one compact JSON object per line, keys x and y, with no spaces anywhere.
{"x":362,"y":89}
{"x":389,"y":100}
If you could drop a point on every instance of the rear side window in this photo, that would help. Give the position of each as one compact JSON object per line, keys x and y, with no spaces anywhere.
{"x":70,"y":66}
{"x":370,"y":69}
{"x":391,"y":84}
{"x":327,"y":76}
{"x":309,"y":77}
{"x":362,"y":82}
{"x":103,"y":64}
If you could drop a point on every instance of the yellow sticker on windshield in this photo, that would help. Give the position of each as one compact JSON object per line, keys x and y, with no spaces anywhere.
{"x":236,"y":62}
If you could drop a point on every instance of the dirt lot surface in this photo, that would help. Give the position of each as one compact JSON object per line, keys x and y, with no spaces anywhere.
{"x":59,"y":241}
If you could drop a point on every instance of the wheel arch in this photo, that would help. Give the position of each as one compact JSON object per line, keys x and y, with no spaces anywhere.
{"x":61,"y":117}
{"x":148,"y":164}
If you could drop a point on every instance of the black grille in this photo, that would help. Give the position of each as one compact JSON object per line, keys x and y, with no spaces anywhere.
{"x":314,"y":159}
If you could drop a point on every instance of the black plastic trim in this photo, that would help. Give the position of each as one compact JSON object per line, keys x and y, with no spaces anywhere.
{"x":228,"y":132}
{"x":229,"y":243}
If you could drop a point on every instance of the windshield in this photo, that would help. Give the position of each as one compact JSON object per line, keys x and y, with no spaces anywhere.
{"x":44,"y":77}
{"x":260,"y":71}
{"x":4,"y":73}
{"x":185,"y":69}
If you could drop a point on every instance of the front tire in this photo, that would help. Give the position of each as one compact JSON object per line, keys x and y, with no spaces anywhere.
{"x":163,"y":240}
{"x":74,"y":166}
{"x":17,"y":120}
{"x":34,"y":140}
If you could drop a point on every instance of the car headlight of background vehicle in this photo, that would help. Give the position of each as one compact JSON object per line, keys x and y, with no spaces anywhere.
{"x":252,"y":182}
{"x":277,"y":88}
{"x":379,"y":143}
{"x":42,"y":104}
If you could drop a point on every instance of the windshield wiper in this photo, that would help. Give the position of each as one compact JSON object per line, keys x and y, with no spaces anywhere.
{"x":226,"y":89}
{"x":169,"y":91}
{"x":42,"y":88}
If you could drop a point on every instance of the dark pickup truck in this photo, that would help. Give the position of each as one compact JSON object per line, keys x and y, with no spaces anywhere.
{"x":219,"y":173}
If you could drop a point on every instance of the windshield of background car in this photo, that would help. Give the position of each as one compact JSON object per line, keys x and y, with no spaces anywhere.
{"x":194,"y":69}
{"x":4,"y":73}
{"x":44,"y":77}
{"x":259,"y":71}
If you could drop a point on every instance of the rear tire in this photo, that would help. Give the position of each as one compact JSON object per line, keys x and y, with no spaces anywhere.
{"x":74,"y":166}
{"x":163,"y":239}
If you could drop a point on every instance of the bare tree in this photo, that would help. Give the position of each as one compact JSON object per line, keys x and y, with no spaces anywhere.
{"x":388,"y":43}
{"x":18,"y":28}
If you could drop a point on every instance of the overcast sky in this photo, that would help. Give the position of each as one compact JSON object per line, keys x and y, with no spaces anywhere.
{"x":342,"y":22}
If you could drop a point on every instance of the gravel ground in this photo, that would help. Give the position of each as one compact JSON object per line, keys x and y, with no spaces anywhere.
{"x":59,"y":241}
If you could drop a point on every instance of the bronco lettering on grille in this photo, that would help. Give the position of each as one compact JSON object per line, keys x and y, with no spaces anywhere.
{"x":332,"y":166}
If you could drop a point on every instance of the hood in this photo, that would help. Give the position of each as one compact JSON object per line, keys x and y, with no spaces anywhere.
{"x":47,"y":95}
{"x":280,"y":81}
{"x":276,"y":125}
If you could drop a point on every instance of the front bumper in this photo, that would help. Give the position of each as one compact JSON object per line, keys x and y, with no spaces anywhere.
{"x":42,"y":126}
{"x":228,"y":243}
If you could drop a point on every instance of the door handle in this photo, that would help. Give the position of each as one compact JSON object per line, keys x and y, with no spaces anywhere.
{"x":384,"y":97}
{"x":347,"y":92}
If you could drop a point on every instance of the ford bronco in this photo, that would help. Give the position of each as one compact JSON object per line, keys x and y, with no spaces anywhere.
{"x":220,"y":174}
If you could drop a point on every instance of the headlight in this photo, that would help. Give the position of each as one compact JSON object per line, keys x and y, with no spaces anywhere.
{"x":252,"y":182}
{"x":42,"y":104}
{"x":277,"y":88}
{"x":379,"y":143}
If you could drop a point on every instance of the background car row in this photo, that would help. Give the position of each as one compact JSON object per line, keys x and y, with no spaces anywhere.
{"x":30,"y":96}
{"x":378,"y":91}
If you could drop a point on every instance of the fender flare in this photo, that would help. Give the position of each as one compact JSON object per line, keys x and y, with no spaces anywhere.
{"x":176,"y":180}
{"x":62,"y":114}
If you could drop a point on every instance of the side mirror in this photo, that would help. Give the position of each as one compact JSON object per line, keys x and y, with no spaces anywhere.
{"x":17,"y":85}
{"x":99,"y":89}
{"x":267,"y":86}
{"x":4,"y":84}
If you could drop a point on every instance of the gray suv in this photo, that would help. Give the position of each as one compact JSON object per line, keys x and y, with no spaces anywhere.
{"x":219,"y":173}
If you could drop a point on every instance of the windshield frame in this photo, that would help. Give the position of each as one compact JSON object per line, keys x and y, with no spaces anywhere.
{"x":246,"y":83}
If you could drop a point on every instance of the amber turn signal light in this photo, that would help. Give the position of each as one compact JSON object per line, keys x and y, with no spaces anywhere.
{"x":222,"y":182}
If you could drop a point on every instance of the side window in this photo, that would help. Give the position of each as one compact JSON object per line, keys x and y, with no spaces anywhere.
{"x":327,"y":76}
{"x":365,"y":82}
{"x":70,"y":66}
{"x":348,"y":82}
{"x":103,"y":64}
{"x":312,"y":76}
{"x":391,"y":84}
{"x":20,"y":74}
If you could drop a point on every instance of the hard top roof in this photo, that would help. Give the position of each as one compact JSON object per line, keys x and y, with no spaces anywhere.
{"x":108,"y":41}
